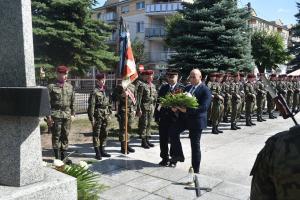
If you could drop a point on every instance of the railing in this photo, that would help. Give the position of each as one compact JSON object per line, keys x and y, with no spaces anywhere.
{"x":155,"y":32}
{"x":163,"y":7}
{"x":160,"y":56}
{"x":110,"y":16}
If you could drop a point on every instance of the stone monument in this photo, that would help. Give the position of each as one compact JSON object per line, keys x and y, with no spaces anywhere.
{"x":22,"y":175}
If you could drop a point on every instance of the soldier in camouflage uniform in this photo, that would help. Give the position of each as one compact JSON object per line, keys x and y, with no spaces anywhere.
{"x":146,"y":100}
{"x":276,"y":173}
{"x":236,"y":102}
{"x":62,"y":110}
{"x":296,"y":87}
{"x":290,"y":91}
{"x":217,"y":103}
{"x":212,"y":79}
{"x":242,"y":93}
{"x":250,"y":99}
{"x":281,"y":85}
{"x":226,"y":90}
{"x":119,"y":96}
{"x":99,"y":111}
{"x":270,"y":102}
{"x":260,"y":98}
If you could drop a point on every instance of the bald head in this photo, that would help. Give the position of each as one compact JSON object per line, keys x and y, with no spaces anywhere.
{"x":195,"y":76}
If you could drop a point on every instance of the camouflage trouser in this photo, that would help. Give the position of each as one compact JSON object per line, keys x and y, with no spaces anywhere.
{"x":295,"y":101}
{"x":121,"y":120}
{"x":60,"y":132}
{"x":227,"y":106}
{"x":236,"y":109}
{"x":145,"y":123}
{"x":100,"y":132}
{"x":289,"y":99}
{"x":209,"y":111}
{"x":249,"y":106}
{"x":260,"y":104}
{"x":216,"y":111}
{"x":270,"y":104}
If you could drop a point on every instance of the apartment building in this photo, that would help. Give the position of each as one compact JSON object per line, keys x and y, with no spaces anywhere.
{"x":146,"y":20}
{"x":260,"y":24}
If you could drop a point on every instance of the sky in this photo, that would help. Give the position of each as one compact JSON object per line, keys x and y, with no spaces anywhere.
{"x":270,"y":10}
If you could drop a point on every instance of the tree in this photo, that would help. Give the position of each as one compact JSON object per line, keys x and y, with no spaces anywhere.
{"x":268,"y":50}
{"x":295,"y":47}
{"x":64,"y":33}
{"x":210,"y":35}
{"x":138,"y":51}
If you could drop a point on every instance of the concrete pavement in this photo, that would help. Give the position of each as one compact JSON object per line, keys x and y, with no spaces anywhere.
{"x":225,"y":167}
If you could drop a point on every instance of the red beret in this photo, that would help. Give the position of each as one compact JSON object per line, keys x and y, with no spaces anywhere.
{"x":273,"y":75}
{"x":250,"y":76}
{"x":62,"y":69}
{"x":242,"y":75}
{"x":283,"y":75}
{"x":100,"y":76}
{"x":219,"y":75}
{"x":147,"y":72}
{"x":213,"y":75}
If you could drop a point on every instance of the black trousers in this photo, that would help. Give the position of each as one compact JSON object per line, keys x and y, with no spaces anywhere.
{"x":164,"y":137}
{"x":177,"y":152}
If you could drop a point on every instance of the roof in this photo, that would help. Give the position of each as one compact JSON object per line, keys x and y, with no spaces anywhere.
{"x":295,"y":73}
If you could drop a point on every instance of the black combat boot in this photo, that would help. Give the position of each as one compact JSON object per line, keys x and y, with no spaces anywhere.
{"x":248,"y":123}
{"x":253,"y":124}
{"x":57,"y":154}
{"x":214,"y":130}
{"x":271,"y":116}
{"x":98,"y":153}
{"x":237,"y":127}
{"x":145,"y":144}
{"x":103,"y":152}
{"x":259,"y":118}
{"x":217,"y":128}
{"x":148,"y":142}
{"x":233,"y":126}
{"x":209,"y":123}
{"x":130,"y":149}
{"x":225,"y":119}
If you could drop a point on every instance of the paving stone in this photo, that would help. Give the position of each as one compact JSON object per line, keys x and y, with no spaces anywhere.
{"x":204,"y":181}
{"x":123,"y":192}
{"x":233,"y":190}
{"x":153,"y":197}
{"x":122,"y":175}
{"x":213,"y":196}
{"x":149,"y":183}
{"x":106,"y":165}
{"x":108,"y":183}
{"x":171,"y":174}
{"x":176,"y":191}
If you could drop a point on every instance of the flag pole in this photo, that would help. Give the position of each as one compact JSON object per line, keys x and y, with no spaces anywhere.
{"x":126,"y":123}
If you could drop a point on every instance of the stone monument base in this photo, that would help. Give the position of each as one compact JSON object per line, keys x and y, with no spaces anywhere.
{"x":55,"y":186}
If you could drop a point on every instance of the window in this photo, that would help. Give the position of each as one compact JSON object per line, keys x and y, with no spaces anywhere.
{"x":140,"y":27}
{"x":99,"y":16}
{"x":125,"y":9}
{"x":140,"y":5}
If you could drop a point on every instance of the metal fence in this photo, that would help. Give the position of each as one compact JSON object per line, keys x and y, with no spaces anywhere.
{"x":83,"y":88}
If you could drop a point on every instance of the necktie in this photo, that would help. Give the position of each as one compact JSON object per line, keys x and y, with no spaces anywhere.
{"x":193,"y":90}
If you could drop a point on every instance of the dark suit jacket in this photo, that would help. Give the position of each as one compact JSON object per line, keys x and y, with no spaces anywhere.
{"x":166,"y":113}
{"x":197,"y":118}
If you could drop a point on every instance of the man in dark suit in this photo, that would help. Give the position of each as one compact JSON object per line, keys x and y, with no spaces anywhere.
{"x":195,"y":120}
{"x":165,"y":117}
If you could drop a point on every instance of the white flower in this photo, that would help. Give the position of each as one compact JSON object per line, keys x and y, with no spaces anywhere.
{"x":44,"y":164}
{"x":83,"y":164}
{"x":188,"y":94}
{"x":58,"y":163}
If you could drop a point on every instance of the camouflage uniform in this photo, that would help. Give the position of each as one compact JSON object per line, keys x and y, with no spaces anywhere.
{"x":250,"y":100}
{"x":118,"y":96}
{"x":62,"y":107}
{"x":99,"y":110}
{"x":226,"y":90}
{"x":260,"y":99}
{"x":276,"y":173}
{"x":296,"y":88}
{"x":217,"y":106}
{"x":270,"y":102}
{"x":146,"y":99}
{"x":236,"y":104}
{"x":290,"y":93}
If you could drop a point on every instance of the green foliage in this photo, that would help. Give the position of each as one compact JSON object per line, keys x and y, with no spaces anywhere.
{"x":210,"y":35}
{"x":268,"y":50}
{"x":138,"y":51}
{"x":179,"y":100}
{"x":87,"y":186}
{"x":295,"y":47}
{"x":64,"y":33}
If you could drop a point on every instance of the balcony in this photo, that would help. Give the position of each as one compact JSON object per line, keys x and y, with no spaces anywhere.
{"x":109,"y":17}
{"x":163,"y":8}
{"x":155,"y":33}
{"x":163,"y":56}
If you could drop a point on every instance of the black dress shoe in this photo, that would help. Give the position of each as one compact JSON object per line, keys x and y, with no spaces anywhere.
{"x":177,"y":159}
{"x":164,"y":163}
{"x":172,"y":164}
